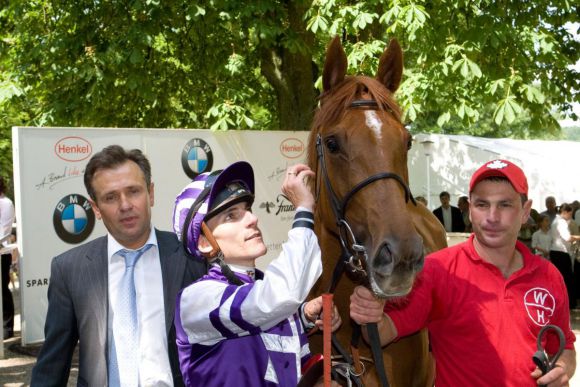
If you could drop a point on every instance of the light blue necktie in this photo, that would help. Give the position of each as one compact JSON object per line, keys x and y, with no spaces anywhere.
{"x":124,"y":346}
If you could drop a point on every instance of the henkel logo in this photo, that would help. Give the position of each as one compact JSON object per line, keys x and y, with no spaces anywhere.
{"x":540,"y":305}
{"x":292,"y":148}
{"x":73,"y":149}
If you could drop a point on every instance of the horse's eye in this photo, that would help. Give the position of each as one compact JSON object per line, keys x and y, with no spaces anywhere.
{"x":331,"y":144}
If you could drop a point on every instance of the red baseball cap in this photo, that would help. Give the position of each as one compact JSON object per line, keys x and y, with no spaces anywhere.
{"x":501,"y":168}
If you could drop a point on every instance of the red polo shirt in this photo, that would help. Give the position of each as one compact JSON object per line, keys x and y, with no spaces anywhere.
{"x":483,"y":327}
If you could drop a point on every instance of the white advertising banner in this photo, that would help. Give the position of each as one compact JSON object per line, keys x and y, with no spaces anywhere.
{"x":53,"y":214}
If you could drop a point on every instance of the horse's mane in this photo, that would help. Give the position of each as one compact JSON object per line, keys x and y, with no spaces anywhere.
{"x":335,"y":102}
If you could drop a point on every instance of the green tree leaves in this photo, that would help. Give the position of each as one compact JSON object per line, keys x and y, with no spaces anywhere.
{"x":467,"y":68}
{"x":471,"y":66}
{"x":317,"y":23}
{"x":507,"y":109}
{"x":476,"y":63}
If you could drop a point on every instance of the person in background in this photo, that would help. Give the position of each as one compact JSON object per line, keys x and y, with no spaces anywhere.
{"x":483,"y":301}
{"x":573,"y":226}
{"x":238,"y":326}
{"x":535,"y":216}
{"x":115,"y":296}
{"x":542,"y":238}
{"x":6,"y":221}
{"x":527,"y":230}
{"x":551,"y":208}
{"x":560,"y":248}
{"x":421,"y":199}
{"x":13,"y":248}
{"x":574,"y":252}
{"x":463,"y":205}
{"x":577,"y":212}
{"x":449,"y":216}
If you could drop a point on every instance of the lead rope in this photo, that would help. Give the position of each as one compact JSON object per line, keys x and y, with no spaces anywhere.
{"x":377,"y":351}
{"x":327,"y":337}
{"x":354,"y":340}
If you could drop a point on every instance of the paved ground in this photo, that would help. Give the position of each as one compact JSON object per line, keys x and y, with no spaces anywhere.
{"x":18,"y":361}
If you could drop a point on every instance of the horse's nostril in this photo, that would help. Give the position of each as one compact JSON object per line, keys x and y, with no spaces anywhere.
{"x":383,"y":262}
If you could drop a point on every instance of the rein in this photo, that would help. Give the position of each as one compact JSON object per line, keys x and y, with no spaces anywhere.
{"x":354,"y":255}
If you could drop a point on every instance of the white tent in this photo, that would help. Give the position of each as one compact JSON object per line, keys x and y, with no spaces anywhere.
{"x":550,"y":166}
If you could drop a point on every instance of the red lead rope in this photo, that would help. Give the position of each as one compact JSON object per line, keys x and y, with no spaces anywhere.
{"x":327,"y":336}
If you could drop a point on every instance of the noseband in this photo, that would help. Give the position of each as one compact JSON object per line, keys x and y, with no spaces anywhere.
{"x":354,"y":254}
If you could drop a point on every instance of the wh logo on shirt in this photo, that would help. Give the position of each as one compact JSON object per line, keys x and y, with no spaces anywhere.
{"x":540,"y":305}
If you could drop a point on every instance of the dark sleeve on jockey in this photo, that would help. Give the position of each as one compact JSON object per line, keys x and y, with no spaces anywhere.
{"x":303,"y":218}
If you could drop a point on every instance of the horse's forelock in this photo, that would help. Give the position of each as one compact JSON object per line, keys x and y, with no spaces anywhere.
{"x":334,"y":103}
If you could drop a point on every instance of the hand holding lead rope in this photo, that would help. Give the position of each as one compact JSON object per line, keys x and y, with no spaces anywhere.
{"x":541,"y":358}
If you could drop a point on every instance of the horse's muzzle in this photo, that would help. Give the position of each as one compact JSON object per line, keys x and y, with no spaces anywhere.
{"x":393,"y":268}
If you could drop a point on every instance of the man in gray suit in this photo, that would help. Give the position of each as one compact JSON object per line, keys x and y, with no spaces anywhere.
{"x":88,"y":293}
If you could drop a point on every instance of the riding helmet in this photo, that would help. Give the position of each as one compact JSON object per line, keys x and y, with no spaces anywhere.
{"x":208,"y":194}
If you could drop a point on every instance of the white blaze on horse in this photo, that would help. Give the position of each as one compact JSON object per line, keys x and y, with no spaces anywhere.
{"x":358,"y":148}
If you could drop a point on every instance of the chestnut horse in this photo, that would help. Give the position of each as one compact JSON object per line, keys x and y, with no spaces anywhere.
{"x":358,"y":148}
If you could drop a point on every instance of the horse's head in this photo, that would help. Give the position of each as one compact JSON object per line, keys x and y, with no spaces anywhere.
{"x":361,"y":164}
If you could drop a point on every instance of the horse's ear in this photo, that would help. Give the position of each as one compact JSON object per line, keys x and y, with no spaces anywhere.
{"x":335,"y":65}
{"x":391,"y":66}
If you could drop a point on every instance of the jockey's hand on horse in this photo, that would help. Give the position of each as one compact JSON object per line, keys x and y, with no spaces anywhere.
{"x":313,"y":312}
{"x":295,"y":186}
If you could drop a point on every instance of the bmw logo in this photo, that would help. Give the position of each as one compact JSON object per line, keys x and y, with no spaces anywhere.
{"x":73,"y":218}
{"x":196,"y":158}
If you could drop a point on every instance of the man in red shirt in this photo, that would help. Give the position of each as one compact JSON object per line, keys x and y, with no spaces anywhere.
{"x":484,"y":301}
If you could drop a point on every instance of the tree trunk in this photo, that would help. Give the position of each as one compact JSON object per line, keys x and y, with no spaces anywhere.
{"x":291,"y":74}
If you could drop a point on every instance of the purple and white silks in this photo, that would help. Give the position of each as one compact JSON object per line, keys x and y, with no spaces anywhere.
{"x":249,"y":335}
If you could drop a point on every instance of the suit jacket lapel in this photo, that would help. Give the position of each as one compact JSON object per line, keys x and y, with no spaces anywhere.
{"x":172,"y":269}
{"x":98,"y":269}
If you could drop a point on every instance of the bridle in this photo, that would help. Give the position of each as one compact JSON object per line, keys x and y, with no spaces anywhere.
{"x":354,"y":256}
{"x":354,"y":252}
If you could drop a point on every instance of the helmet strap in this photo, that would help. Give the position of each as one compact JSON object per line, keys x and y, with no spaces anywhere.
{"x":216,"y":256}
{"x":227,"y":271}
{"x":215,"y":248}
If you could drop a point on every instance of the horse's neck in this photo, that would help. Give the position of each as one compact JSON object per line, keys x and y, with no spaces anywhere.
{"x":429,"y":227}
